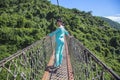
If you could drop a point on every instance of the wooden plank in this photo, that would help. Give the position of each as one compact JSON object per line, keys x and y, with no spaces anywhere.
{"x":51,"y":62}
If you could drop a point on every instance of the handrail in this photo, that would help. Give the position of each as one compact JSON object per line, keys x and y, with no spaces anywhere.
{"x":105,"y":66}
{"x":29,"y":63}
{"x":86,"y":65}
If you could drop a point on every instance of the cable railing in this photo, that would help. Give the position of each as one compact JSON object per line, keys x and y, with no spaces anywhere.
{"x":29,"y":63}
{"x":85,"y":65}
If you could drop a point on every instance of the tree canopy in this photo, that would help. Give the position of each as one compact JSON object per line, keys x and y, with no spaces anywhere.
{"x":23,"y":22}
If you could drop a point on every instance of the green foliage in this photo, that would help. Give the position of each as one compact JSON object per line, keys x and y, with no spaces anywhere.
{"x":23,"y":22}
{"x":111,"y":23}
{"x":115,"y":41}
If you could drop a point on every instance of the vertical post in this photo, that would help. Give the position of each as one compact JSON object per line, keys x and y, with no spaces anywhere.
{"x":58,"y":6}
{"x":58,"y":3}
{"x":102,"y":75}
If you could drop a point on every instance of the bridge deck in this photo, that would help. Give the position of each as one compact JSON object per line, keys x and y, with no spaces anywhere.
{"x":29,"y":64}
{"x":63,"y":72}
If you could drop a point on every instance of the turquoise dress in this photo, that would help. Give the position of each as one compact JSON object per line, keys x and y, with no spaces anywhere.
{"x":59,"y":35}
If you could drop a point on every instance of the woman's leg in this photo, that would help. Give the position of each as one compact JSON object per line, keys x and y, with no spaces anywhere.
{"x":57,"y":51}
{"x":61,"y":54}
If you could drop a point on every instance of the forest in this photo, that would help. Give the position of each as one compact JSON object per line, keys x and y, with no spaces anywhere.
{"x":23,"y":22}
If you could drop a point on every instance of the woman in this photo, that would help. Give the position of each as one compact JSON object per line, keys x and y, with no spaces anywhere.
{"x":59,"y":35}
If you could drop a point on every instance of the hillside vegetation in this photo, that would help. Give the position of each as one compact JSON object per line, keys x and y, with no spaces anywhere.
{"x":112,"y":23}
{"x":23,"y":22}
